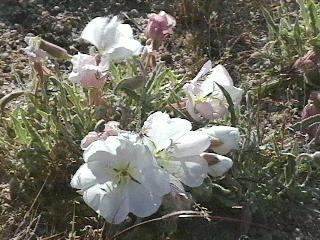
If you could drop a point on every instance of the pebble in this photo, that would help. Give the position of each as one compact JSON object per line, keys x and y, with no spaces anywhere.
{"x":188,"y":61}
{"x":4,"y":55}
{"x":56,"y":8}
{"x":134,"y":12}
{"x":181,"y":71}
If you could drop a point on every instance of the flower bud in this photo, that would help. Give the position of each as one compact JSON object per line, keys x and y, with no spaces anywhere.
{"x":312,"y":108}
{"x":54,"y":50}
{"x":111,"y":128}
{"x":309,"y":65}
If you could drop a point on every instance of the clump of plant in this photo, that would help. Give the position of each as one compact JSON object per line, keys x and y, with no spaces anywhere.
{"x":291,"y":35}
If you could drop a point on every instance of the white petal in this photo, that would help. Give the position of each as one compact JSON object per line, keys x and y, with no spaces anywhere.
{"x":221,"y":167}
{"x":109,"y":201}
{"x":220,"y":75}
{"x":163,"y":131}
{"x":191,"y":110}
{"x":101,"y":32}
{"x":204,"y":70}
{"x":156,"y":180}
{"x":235,"y":94}
{"x":189,"y":170}
{"x":125,"y":48}
{"x":207,"y":86}
{"x":206,"y":110}
{"x":137,"y":154}
{"x":124,"y":31}
{"x":192,"y":143}
{"x":142,"y":202}
{"x":228,"y":136}
{"x":83,"y":178}
{"x":101,"y":149}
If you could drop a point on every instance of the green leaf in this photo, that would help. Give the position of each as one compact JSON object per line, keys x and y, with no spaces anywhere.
{"x":304,"y":12}
{"x":233,"y":119}
{"x":290,"y":170}
{"x":273,"y":28}
{"x":21,"y":133}
{"x":306,"y":123}
{"x":313,"y":17}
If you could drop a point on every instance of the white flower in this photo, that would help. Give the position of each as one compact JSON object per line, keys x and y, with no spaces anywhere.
{"x":205,"y":98}
{"x":223,"y":138}
{"x":120,"y":176}
{"x":88,"y":70}
{"x":112,"y":38}
{"x":177,"y":148}
{"x":218,"y":164}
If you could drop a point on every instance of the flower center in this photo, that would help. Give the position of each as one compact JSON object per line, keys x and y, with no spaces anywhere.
{"x":163,"y":157}
{"x":125,"y":174}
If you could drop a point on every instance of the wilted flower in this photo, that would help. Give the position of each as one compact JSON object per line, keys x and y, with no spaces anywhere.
{"x":120,"y":176}
{"x":111,"y":128}
{"x":112,"y":38}
{"x":177,"y":148}
{"x":223,"y":138}
{"x":205,"y":98}
{"x":38,"y":49}
{"x":217,"y":164}
{"x":309,"y":65}
{"x":33,"y":49}
{"x":159,"y":26}
{"x":312,"y":108}
{"x":89,"y":71}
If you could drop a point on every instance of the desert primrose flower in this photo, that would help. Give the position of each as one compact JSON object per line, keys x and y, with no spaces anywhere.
{"x":120,"y":176}
{"x":223,"y":138}
{"x":205,"y":99}
{"x":89,"y":71}
{"x":177,"y":148}
{"x":217,"y":164}
{"x":112,"y":39}
{"x":159,"y":27}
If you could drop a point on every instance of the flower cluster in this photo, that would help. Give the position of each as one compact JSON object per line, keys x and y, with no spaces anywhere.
{"x":127,"y":172}
{"x":131,"y":172}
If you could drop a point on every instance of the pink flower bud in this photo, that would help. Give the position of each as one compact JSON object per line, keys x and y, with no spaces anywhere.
{"x":111,"y":129}
{"x":159,"y":26}
{"x":308,"y":62}
{"x":312,"y":109}
{"x":54,"y":50}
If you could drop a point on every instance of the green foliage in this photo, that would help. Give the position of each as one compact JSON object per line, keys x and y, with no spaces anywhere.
{"x":292,"y":35}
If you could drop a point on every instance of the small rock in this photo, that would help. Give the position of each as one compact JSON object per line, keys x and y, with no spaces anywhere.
{"x":56,"y":8}
{"x":181,"y":71}
{"x":134,"y":12}
{"x":188,"y":61}
{"x":4,"y":55}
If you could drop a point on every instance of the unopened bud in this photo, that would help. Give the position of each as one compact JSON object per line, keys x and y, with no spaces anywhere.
{"x":54,"y":50}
